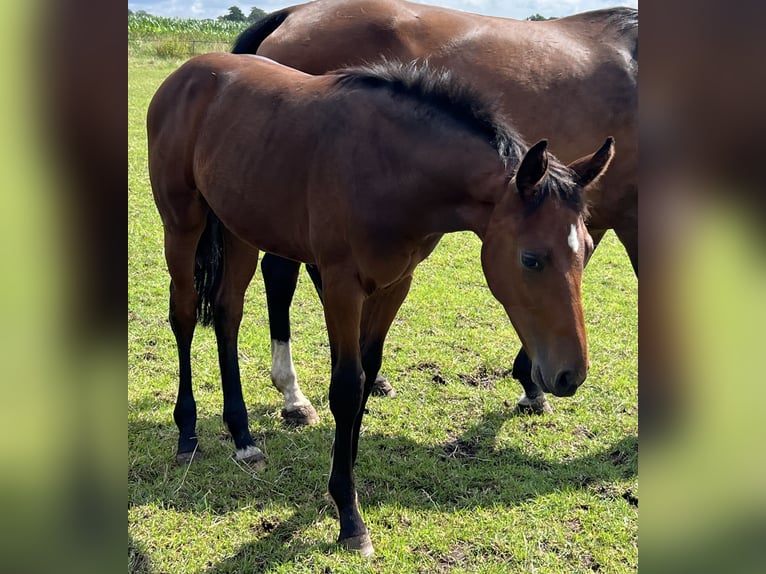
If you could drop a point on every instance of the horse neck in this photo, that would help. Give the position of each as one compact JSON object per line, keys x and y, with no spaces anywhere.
{"x":472,"y":202}
{"x":446,"y":179}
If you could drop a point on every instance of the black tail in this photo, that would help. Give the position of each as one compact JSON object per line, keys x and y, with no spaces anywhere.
{"x":208,"y":267}
{"x":249,"y":40}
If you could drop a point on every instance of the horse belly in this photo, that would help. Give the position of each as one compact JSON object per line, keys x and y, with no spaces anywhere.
{"x":266,"y":214}
{"x":381,"y":265}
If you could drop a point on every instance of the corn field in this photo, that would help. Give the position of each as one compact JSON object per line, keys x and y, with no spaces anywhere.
{"x":163,"y":37}
{"x":148,"y":27}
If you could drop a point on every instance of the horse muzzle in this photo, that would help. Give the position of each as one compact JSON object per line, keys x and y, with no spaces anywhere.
{"x":563,"y":384}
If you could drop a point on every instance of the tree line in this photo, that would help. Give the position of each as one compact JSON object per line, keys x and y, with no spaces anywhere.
{"x":235,"y":14}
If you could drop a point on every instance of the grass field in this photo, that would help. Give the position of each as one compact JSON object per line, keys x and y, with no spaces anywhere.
{"x":449,"y":477}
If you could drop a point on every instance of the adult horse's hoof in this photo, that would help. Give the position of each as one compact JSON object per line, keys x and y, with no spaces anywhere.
{"x":186,"y":458}
{"x":382,"y":388}
{"x":361,"y":544}
{"x":300,"y":417}
{"x":538,"y":405}
{"x":252,"y":456}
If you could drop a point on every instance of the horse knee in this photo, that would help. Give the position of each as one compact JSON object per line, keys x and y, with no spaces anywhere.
{"x":346,"y":392}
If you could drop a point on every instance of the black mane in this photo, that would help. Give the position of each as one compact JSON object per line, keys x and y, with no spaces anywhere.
{"x":625,"y":22}
{"x":441,"y":90}
{"x":624,"y":18}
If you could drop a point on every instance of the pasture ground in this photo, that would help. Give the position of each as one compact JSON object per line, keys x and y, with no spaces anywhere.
{"x":449,"y":477}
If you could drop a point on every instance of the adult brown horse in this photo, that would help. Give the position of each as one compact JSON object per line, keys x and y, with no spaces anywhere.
{"x":576,"y":77}
{"x":367,"y":170}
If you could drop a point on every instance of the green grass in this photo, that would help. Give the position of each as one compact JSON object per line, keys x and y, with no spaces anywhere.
{"x":449,"y":478}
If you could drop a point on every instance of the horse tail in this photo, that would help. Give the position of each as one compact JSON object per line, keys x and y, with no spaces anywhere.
{"x":249,"y":40}
{"x":208,"y":267}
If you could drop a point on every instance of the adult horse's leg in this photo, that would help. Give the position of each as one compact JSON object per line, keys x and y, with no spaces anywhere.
{"x":343,"y":301}
{"x":533,"y":399}
{"x":280,"y":277}
{"x":627,"y":233}
{"x":380,"y":385}
{"x":239,"y":263}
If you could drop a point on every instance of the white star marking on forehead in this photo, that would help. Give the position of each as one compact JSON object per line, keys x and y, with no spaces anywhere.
{"x":572,"y":240}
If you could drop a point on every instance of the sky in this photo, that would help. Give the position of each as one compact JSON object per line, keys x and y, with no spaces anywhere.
{"x":508,"y":8}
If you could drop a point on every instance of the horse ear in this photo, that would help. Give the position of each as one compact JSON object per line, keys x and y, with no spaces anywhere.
{"x":532,"y":169}
{"x":591,"y":167}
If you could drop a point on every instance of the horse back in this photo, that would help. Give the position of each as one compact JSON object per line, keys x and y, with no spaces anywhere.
{"x":575,"y":77}
{"x":245,"y":133}
{"x":319,"y":37}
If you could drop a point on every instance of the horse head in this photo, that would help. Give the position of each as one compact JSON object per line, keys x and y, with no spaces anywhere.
{"x":533,"y":254}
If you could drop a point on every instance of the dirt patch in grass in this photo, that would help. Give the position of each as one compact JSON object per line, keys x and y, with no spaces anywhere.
{"x":630,"y":497}
{"x":590,"y":563}
{"x":460,"y":448}
{"x":457,"y":557}
{"x":434,"y":370}
{"x":484,"y":378}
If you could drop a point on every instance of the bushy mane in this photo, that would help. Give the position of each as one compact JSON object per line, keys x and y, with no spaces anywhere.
{"x":441,"y":90}
{"x":625,"y":19}
{"x":559,"y":182}
{"x":625,"y":22}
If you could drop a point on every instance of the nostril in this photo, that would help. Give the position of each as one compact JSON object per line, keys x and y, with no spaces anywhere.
{"x":566,"y":383}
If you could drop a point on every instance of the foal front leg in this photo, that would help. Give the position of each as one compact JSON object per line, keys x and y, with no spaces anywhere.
{"x":343,"y":309}
{"x":378,"y":313}
{"x":380,"y":385}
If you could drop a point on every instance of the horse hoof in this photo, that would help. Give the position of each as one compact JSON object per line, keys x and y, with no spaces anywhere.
{"x":252,"y":456}
{"x":538,"y":405}
{"x":382,"y":388}
{"x":361,"y":544}
{"x":186,"y":458}
{"x":302,"y":416}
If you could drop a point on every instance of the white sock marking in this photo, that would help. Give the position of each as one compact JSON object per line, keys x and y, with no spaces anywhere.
{"x":283,"y":375}
{"x":247,"y":452}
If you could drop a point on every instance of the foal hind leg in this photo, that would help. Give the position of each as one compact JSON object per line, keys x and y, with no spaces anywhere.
{"x":380,"y":386}
{"x":280,"y":277}
{"x":180,"y":249}
{"x":240,"y":261}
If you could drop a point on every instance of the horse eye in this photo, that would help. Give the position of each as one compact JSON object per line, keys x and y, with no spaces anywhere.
{"x":531,"y":261}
